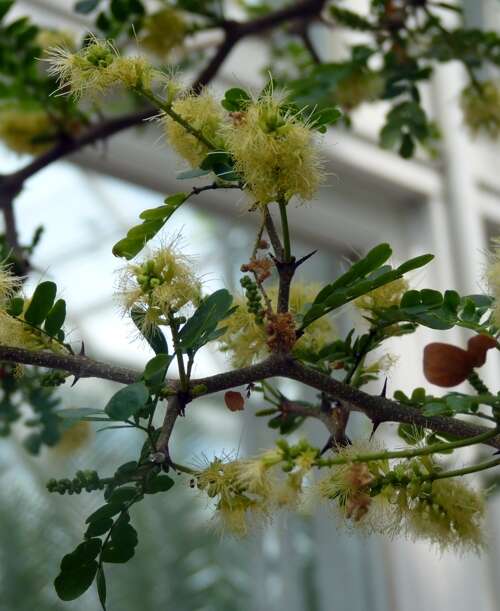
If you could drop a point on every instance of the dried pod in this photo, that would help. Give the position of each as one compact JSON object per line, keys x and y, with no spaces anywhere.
{"x":478,"y":346}
{"x":446,"y":365}
{"x":234,"y":401}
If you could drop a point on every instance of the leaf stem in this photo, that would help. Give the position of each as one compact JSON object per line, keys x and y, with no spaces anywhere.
{"x":167,"y":108}
{"x":410,"y":453}
{"x":488,"y":464}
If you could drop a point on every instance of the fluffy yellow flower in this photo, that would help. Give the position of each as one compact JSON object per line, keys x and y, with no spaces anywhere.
{"x":449,"y":515}
{"x":204,"y":114}
{"x":236,"y":506}
{"x":162,"y":31}
{"x":481,"y":108}
{"x":161,"y":285}
{"x":274,"y":152}
{"x":246,"y":340}
{"x":96,"y":68}
{"x":10,"y":285}
{"x":384,"y":296}
{"x":27,"y":131}
{"x":357,"y":88}
{"x":349,"y":483}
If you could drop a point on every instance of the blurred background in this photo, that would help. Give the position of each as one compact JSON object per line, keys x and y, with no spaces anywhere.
{"x":449,"y":206}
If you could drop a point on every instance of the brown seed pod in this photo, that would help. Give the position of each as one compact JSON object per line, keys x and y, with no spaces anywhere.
{"x":478,"y":346}
{"x":234,"y":401}
{"x":446,"y":365}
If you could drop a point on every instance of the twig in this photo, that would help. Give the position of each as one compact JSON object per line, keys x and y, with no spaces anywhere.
{"x":273,"y":234}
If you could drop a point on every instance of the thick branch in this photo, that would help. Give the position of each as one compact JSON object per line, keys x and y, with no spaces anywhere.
{"x":378,"y":409}
{"x":79,"y":366}
{"x":97,"y":132}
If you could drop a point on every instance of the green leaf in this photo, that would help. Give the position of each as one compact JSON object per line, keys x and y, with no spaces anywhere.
{"x":105,"y":511}
{"x":374,"y":259}
{"x":117,"y":554}
{"x":55,"y":318}
{"x":78,"y":570}
{"x":415,"y":263}
{"x":99,"y":527}
{"x":155,"y":337}
{"x":160,"y":483}
{"x":156,"y":369}
{"x":82,"y":554}
{"x":407,"y":147}
{"x":127,"y":401}
{"x":5,"y":6}
{"x":86,"y":6}
{"x":168,"y":208}
{"x":204,"y":321}
{"x":154,"y":220}
{"x":120,"y":9}
{"x":123,"y":494}
{"x":81,"y":413}
{"x":235,"y":99}
{"x":101,"y":586}
{"x":221,"y":164}
{"x":123,"y":534}
{"x":41,"y":303}
{"x":195,"y":173}
{"x":16,"y":306}
{"x":70,"y":585}
{"x":436,"y":408}
{"x":325,"y":117}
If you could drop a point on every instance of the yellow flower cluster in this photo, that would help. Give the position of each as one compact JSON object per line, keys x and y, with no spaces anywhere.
{"x":370,"y":494}
{"x":98,"y":67}
{"x":383,"y":297}
{"x":246,"y":491}
{"x":202,"y":113}
{"x":246,"y":341}
{"x":402,"y":500}
{"x":27,"y":131}
{"x":273,"y":149}
{"x":274,"y":152}
{"x":161,"y":285}
{"x":162,"y":31}
{"x":481,"y":108}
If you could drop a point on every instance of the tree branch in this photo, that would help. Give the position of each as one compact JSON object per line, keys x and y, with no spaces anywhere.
{"x":79,"y":366}
{"x":378,"y":409}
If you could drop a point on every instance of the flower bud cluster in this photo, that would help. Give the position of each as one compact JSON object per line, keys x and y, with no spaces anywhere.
{"x":247,"y":340}
{"x":84,"y":480}
{"x":253,"y":299}
{"x":162,"y":285}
